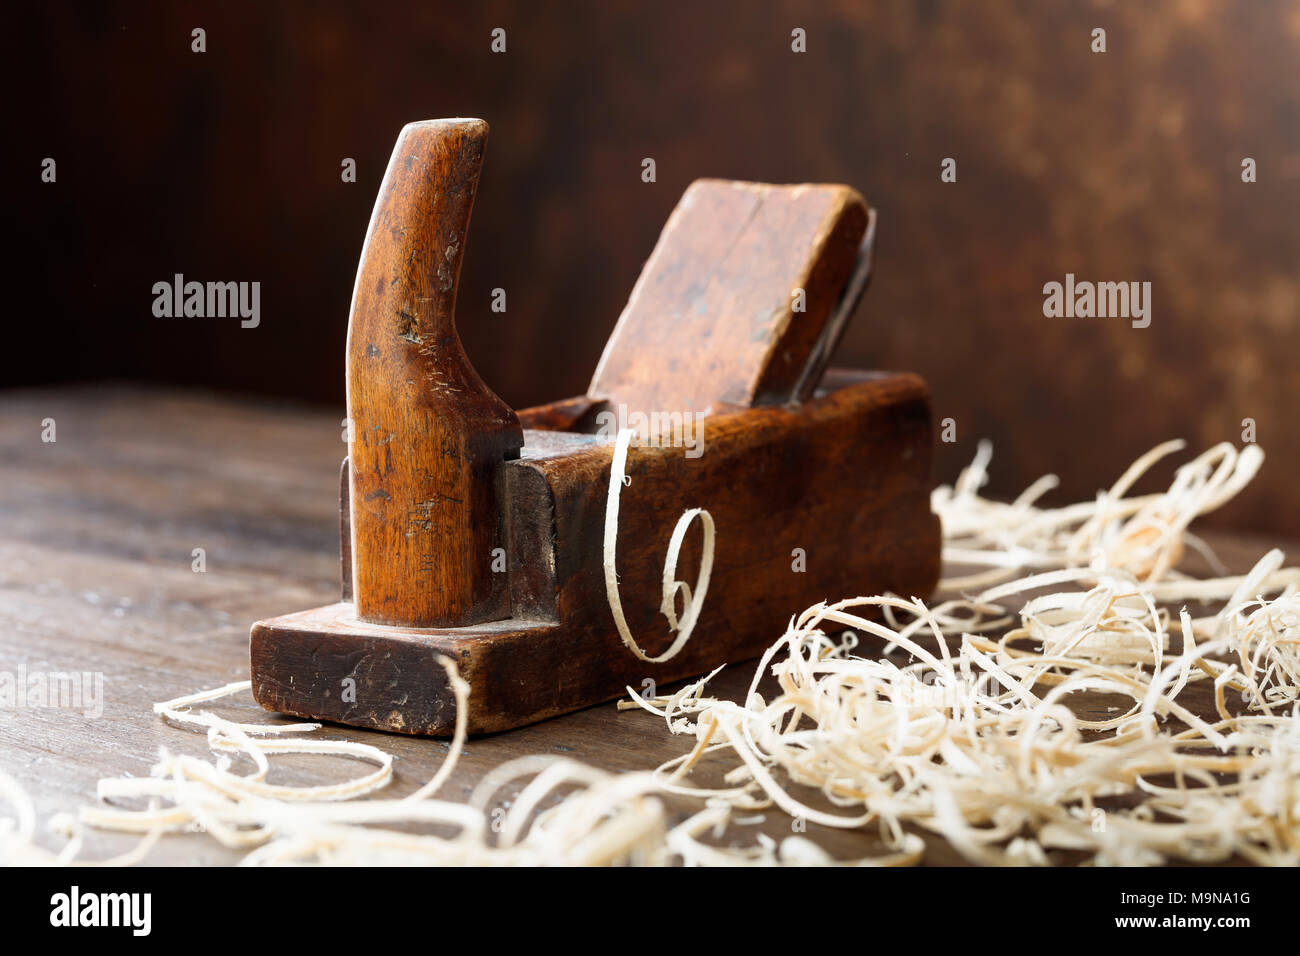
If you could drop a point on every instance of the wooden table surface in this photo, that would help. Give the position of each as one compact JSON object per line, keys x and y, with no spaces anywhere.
{"x":97,"y":534}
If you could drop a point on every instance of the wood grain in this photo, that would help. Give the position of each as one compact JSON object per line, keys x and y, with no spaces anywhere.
{"x":430,"y":439}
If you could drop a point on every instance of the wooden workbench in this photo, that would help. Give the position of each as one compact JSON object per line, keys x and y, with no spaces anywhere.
{"x":97,"y":538}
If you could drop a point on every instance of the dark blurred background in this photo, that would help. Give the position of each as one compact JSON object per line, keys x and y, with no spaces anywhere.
{"x":1119,"y":166}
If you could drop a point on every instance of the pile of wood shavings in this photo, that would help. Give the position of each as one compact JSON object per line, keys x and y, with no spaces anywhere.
{"x":954,"y":732}
{"x":1143,"y":534}
{"x":971,"y":738}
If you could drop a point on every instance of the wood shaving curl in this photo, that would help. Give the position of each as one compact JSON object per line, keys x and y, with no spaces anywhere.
{"x":693,"y":598}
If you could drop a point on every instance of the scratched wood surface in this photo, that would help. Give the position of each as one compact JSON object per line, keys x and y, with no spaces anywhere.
{"x":97,"y":534}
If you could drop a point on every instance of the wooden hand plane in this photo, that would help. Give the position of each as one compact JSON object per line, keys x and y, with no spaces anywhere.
{"x":475,"y":532}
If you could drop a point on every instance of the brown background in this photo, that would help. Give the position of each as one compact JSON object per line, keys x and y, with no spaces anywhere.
{"x":1117,"y":166}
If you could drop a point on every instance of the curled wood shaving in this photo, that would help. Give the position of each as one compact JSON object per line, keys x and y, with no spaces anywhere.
{"x":692,"y":598}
